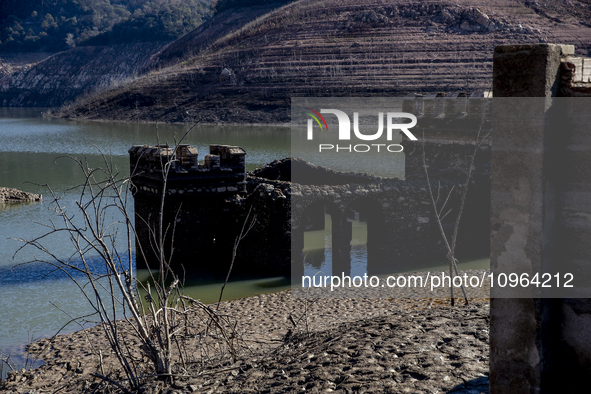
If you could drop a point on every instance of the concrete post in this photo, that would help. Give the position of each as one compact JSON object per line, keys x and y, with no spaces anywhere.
{"x":342,"y":232}
{"x":530,"y":347}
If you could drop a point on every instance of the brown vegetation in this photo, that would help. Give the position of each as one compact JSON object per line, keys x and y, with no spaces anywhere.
{"x":151,"y":339}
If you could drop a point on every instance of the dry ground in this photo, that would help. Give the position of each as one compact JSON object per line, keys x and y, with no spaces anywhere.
{"x":347,"y":345}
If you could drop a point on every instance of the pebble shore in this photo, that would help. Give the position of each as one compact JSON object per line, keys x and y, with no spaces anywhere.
{"x":342,"y":345}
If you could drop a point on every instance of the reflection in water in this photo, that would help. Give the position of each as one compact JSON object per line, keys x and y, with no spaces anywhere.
{"x":358,"y":243}
{"x":359,"y":259}
{"x":318,"y":248}
{"x":315,"y":259}
{"x":318,"y":252}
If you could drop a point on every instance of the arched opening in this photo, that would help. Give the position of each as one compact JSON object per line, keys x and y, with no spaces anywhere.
{"x":324,"y":240}
{"x":318,"y":244}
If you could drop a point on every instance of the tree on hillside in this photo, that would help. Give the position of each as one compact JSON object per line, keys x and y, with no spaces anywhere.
{"x":54,"y":25}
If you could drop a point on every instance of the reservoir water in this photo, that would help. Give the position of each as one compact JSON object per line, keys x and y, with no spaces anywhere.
{"x":36,"y":301}
{"x":33,"y":298}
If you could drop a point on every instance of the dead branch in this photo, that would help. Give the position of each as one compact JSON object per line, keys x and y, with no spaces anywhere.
{"x":450,"y":247}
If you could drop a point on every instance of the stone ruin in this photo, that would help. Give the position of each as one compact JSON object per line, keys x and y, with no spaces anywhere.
{"x":539,"y":210}
{"x":203,"y":205}
{"x":223,"y":171}
{"x":207,"y":204}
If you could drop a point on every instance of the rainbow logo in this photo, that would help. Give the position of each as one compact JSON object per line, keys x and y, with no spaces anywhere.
{"x":315,"y":115}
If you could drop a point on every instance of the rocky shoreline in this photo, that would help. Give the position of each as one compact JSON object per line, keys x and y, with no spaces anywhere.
{"x":342,"y":345}
{"x":8,"y":195}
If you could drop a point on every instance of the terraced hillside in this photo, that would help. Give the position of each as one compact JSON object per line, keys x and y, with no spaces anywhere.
{"x":336,"y":48}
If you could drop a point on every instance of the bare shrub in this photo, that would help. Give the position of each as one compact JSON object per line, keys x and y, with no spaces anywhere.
{"x":440,"y":212}
{"x":165,"y":336}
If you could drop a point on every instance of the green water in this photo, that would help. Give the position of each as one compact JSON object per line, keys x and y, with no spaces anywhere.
{"x":209,"y":293}
{"x":34,"y":151}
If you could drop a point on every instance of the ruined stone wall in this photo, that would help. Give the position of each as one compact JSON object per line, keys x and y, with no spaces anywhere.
{"x":266,"y":249}
{"x":402,"y":232}
{"x":208,"y":204}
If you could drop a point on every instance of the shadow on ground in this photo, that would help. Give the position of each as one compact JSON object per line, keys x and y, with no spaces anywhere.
{"x":474,"y":386}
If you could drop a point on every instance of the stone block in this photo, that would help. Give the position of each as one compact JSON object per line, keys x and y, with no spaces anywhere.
{"x":526,"y":70}
{"x":540,"y":195}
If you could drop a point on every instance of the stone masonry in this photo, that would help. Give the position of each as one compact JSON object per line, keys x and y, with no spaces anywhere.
{"x":207,"y":204}
{"x":541,"y":185}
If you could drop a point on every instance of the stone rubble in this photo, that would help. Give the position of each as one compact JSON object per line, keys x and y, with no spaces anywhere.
{"x":8,"y":195}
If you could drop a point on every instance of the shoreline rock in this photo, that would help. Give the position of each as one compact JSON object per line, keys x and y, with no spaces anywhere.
{"x":8,"y":195}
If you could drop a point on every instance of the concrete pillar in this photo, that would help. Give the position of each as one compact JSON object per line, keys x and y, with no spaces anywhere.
{"x":535,"y":342}
{"x":528,"y":70}
{"x":342,"y":233}
{"x":521,"y":209}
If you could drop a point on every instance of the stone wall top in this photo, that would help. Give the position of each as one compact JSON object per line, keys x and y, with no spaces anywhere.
{"x":151,"y":159}
{"x":223,"y":170}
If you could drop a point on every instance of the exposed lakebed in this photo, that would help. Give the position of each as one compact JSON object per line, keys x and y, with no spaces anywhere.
{"x":34,"y":298}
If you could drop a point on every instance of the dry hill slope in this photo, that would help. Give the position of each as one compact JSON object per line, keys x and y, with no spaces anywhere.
{"x":340,"y":48}
{"x":64,"y":76}
{"x":46,"y":80}
{"x":207,"y":34}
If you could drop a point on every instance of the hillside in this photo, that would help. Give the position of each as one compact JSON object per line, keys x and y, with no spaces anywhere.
{"x":64,"y":76}
{"x":36,"y":79}
{"x":225,"y":21}
{"x":57,"y":25}
{"x":335,"y":48}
